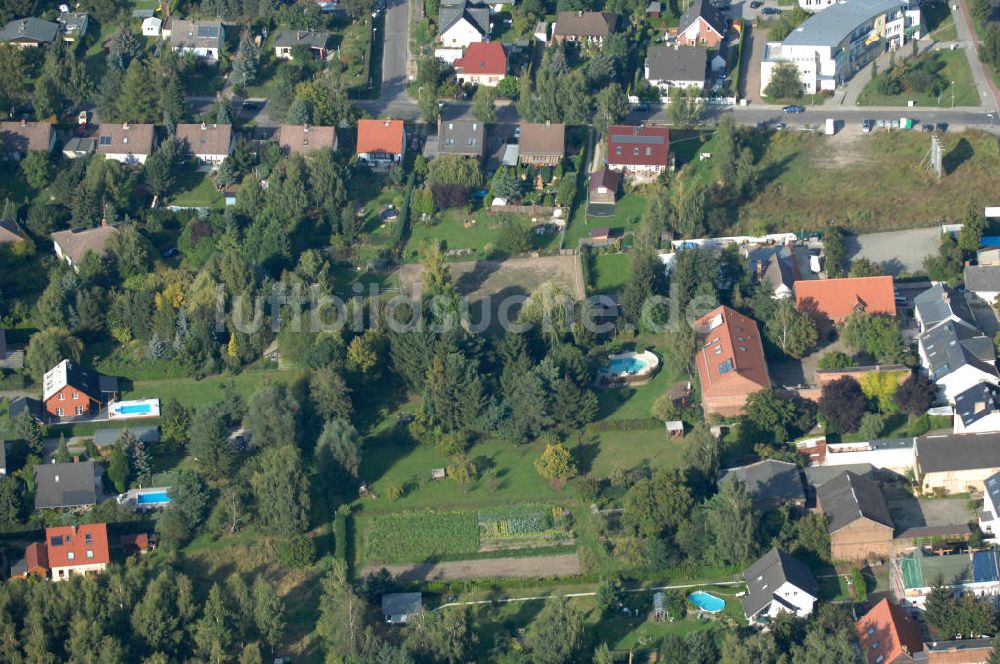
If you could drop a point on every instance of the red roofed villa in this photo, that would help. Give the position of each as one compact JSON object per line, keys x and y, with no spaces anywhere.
{"x":888,"y":634}
{"x":483,"y":63}
{"x":641,"y":152}
{"x":836,"y":299}
{"x":67,"y":550}
{"x":731,"y":364}
{"x":381,"y":143}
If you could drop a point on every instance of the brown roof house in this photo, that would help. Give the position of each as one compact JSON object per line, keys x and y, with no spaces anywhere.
{"x":316,"y":42}
{"x":20,"y":138}
{"x":381,"y":143}
{"x":590,"y":27}
{"x":71,"y":245}
{"x":202,"y":38}
{"x":888,"y":634}
{"x":127,"y":143}
{"x":603,"y":187}
{"x":857,"y":517}
{"x":542,"y":144}
{"x":303,"y":139}
{"x":10,"y":232}
{"x":731,"y":364}
{"x":208,"y":143}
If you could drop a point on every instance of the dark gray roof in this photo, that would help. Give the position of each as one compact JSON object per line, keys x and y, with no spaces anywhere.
{"x":768,"y":574}
{"x":29,"y":29}
{"x":817,"y":475}
{"x":939,"y":303}
{"x":707,"y":11}
{"x":450,"y":14}
{"x":19,"y":405}
{"x":677,"y":64}
{"x":780,"y":270}
{"x":60,"y":485}
{"x":585,"y":24}
{"x":849,"y":497}
{"x":982,"y":278}
{"x":769,"y":483}
{"x":463,"y":137}
{"x":979,"y":401}
{"x":950,"y":452}
{"x":992,"y":485}
{"x":950,"y":346}
{"x":310,"y":38}
{"x":828,"y":28}
{"x":145,"y":435}
{"x":401,"y":604}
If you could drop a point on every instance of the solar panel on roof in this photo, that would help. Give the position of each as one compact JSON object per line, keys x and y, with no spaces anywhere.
{"x":642,"y":140}
{"x":105,"y":140}
{"x":208,"y":31}
{"x":985,"y":566}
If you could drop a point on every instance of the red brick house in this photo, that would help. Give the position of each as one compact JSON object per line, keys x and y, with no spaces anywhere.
{"x":640,"y":153}
{"x":701,"y":25}
{"x":836,"y":299}
{"x":730,"y":359}
{"x":887,"y":634}
{"x":69,"y":391}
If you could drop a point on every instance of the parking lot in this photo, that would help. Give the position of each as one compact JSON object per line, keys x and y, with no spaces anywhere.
{"x":899,"y":251}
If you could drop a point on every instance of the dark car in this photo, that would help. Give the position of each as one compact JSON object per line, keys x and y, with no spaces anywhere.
{"x":756,"y":4}
{"x":942,"y":127}
{"x":928,"y":127}
{"x":770,"y":10}
{"x":794,"y":108}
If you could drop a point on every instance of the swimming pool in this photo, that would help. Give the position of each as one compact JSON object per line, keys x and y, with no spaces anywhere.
{"x":135,"y":409}
{"x":152,"y":498}
{"x":707,"y":602}
{"x":627,"y":365}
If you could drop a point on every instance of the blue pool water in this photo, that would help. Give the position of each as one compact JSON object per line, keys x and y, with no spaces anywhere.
{"x":135,"y":409}
{"x":707,"y":601}
{"x":152,"y":498}
{"x":624,"y":365}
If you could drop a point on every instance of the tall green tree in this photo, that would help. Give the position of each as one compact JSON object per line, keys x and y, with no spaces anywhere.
{"x":281,"y":491}
{"x":484,"y":104}
{"x":210,"y":443}
{"x":136,"y":102}
{"x":338,"y":451}
{"x":556,"y":634}
{"x":611,"y":107}
{"x":213,"y":633}
{"x":732,"y":524}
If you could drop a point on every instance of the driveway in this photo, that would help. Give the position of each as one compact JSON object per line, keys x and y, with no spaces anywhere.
{"x":750,"y":79}
{"x":899,"y":251}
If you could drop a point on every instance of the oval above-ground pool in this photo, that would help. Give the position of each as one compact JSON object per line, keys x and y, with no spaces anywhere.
{"x":707,"y":602}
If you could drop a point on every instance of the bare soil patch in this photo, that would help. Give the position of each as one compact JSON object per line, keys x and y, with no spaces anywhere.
{"x":493,"y":568}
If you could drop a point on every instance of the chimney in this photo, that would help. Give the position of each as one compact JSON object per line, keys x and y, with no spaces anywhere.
{"x":203,"y":126}
{"x":125,"y":126}
{"x":24,"y":122}
{"x":760,"y":269}
{"x":104,"y":222}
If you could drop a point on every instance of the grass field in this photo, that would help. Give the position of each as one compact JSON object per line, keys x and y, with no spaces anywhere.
{"x":453,"y":234}
{"x":191,"y":392}
{"x":418,"y":536}
{"x":628,"y":212}
{"x":609,"y":272}
{"x":637,"y":402}
{"x":870,"y":182}
{"x":955,"y":68}
{"x":196,"y":189}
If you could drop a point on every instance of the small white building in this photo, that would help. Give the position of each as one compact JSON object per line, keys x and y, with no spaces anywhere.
{"x":151,"y":26}
{"x":977,"y":409}
{"x":895,"y":454}
{"x":984,"y":281}
{"x":778,"y":583}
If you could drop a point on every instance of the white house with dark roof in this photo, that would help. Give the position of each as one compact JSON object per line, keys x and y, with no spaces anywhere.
{"x":941,"y":303}
{"x":957,"y":357}
{"x":956,"y":463}
{"x":462,"y":24}
{"x":984,"y":281}
{"x":70,"y":486}
{"x":675,"y":67}
{"x":989,"y":515}
{"x":977,"y":409}
{"x":769,"y":483}
{"x":778,"y":583}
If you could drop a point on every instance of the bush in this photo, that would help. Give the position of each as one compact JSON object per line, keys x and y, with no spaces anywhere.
{"x":872,"y":426}
{"x":835,"y":360}
{"x":296,"y":551}
{"x":921,"y":425}
{"x":589,"y":489}
{"x":449,"y":195}
{"x":888,"y":84}
{"x":340,"y":532}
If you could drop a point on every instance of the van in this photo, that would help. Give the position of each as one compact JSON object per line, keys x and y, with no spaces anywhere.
{"x":814,"y":264}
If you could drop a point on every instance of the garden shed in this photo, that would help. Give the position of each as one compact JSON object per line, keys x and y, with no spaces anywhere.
{"x":397,"y":607}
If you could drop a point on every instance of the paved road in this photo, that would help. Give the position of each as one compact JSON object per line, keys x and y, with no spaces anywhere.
{"x":984,"y":82}
{"x":393,"y":99}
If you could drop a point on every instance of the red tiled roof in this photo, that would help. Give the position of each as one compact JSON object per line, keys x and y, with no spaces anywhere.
{"x":67,"y":540}
{"x":485,"y":58}
{"x":888,"y":631}
{"x":638,"y":146}
{"x":839,"y":298}
{"x":604,"y":177}
{"x":731,"y":358}
{"x":36,"y":557}
{"x":380,"y":136}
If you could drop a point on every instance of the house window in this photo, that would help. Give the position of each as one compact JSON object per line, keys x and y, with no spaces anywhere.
{"x":70,"y":555}
{"x":618,"y":149}
{"x":88,"y":538}
{"x":876,"y":645}
{"x":90,"y":553}
{"x":871,"y":630}
{"x":726,"y":367}
{"x":62,"y":397}
{"x":635,"y":151}
{"x":78,"y":410}
{"x":59,"y":412}
{"x":76,"y":395}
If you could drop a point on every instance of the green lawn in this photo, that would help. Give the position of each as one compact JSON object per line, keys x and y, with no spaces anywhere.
{"x":452,"y":233}
{"x":196,"y":189}
{"x":191,"y":392}
{"x":946,"y":31}
{"x":630,"y":403}
{"x":955,"y":68}
{"x":628,"y":212}
{"x":609,"y":272}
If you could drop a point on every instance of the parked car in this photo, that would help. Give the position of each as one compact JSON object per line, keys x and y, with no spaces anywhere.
{"x":794,"y":108}
{"x":642,"y":107}
{"x":928,"y":127}
{"x":815,"y":264}
{"x":901,"y":300}
{"x":942,"y":127}
{"x":770,"y":10}
{"x":867,"y":126}
{"x":756,"y":4}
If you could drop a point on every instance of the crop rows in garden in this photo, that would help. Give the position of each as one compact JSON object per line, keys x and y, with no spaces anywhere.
{"x":421,"y":535}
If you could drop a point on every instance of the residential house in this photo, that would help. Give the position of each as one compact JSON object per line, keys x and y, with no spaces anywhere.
{"x":29,"y":32}
{"x":466,"y":138}
{"x":959,"y":651}
{"x":730,"y":361}
{"x":483,"y":63}
{"x":78,"y":148}
{"x":939,"y":304}
{"x":912,"y":576}
{"x":888,"y":634}
{"x":202,"y":38}
{"x":70,"y":391}
{"x":957,"y":357}
{"x":73,"y":26}
{"x":989,"y":515}
{"x":669,"y":67}
{"x":34,"y":563}
{"x":778,"y":583}
{"x":542,"y":144}
{"x":10,"y":232}
{"x":956,"y":463}
{"x":977,"y":409}
{"x":315,"y":41}
{"x":777,"y":268}
{"x":640,"y":153}
{"x":79,"y":549}
{"x":587,"y":27}
{"x":857,"y":517}
{"x":20,"y":138}
{"x":701,"y":25}
{"x":127,"y":143}
{"x":462,"y":24}
{"x":71,"y":245}
{"x":834,"y":300}
{"x":19,"y":405}
{"x":381,"y":143}
{"x":208,"y":143}
{"x":984,"y":281}
{"x":769,"y":483}
{"x":397,"y":608}
{"x":151,"y":26}
{"x":303,"y":139}
{"x":603,"y":187}
{"x":66,"y":486}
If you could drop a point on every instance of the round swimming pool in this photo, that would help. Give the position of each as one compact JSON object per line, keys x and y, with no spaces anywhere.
{"x":625,"y":365}
{"x":707,"y":602}
{"x":631,"y":364}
